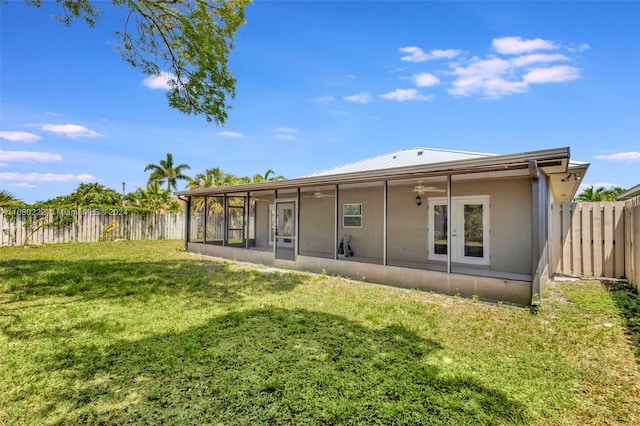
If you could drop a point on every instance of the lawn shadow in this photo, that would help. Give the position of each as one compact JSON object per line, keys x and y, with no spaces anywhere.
{"x":625,"y":297}
{"x":208,"y":281}
{"x":270,"y":366}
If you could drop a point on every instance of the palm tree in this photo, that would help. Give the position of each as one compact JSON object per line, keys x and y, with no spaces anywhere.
{"x":215,"y":177}
{"x":600,"y":194}
{"x":165,"y":171}
{"x":267,"y":177}
{"x":7,"y":199}
{"x":153,"y":197}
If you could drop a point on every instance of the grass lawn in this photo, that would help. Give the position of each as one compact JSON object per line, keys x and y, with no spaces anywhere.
{"x":143,"y":333}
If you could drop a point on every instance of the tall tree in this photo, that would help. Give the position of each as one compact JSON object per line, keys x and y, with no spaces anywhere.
{"x":269,"y":176}
{"x":153,"y":197}
{"x":88,"y":194}
{"x":215,"y":177}
{"x":191,"y":39}
{"x":7,"y":199}
{"x":165,"y":171}
{"x":600,"y":194}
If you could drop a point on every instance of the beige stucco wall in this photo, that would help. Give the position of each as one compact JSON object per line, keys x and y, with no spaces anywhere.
{"x":366,"y":241}
{"x":406,"y":225}
{"x":317,"y":225}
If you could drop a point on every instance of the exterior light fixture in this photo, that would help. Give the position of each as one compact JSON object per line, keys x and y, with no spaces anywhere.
{"x":418,"y":200}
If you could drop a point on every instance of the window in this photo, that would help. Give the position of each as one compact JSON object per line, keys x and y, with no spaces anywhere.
{"x":352,"y":215}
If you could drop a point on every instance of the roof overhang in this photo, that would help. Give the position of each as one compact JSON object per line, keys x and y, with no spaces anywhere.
{"x":550,"y":161}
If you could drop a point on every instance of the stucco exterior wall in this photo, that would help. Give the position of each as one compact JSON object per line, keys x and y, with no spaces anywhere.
{"x":366,"y":241}
{"x":317,"y":226}
{"x":406,"y":225}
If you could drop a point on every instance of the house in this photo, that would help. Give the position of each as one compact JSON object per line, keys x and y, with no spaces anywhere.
{"x":449,"y":221}
{"x":630,"y":193}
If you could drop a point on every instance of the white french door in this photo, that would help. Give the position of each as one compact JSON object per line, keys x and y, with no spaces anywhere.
{"x":282,"y":224}
{"x":469,"y":229}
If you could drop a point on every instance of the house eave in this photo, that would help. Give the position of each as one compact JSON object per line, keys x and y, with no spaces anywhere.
{"x":550,"y":160}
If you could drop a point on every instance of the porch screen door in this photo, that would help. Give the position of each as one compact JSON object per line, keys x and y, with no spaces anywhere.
{"x":284,"y":229}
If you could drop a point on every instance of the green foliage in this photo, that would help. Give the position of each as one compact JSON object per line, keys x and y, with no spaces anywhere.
{"x":165,"y":171}
{"x":190,"y":39}
{"x":216,"y":177}
{"x":268,"y":176}
{"x":87,"y":194}
{"x":7,"y":199}
{"x":153,"y":198}
{"x":600,"y":194}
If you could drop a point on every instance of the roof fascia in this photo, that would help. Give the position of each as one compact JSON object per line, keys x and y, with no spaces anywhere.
{"x":553,"y":158}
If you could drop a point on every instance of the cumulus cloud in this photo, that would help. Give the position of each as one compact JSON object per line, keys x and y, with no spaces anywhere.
{"x":47,"y":177}
{"x":18,"y":136}
{"x":161,"y":81}
{"x":402,"y":95}
{"x":629,"y":157}
{"x":513,"y":67}
{"x":359,"y":98}
{"x":517,"y":45}
{"x":555,"y":74}
{"x":416,"y":54}
{"x":228,"y":134}
{"x":71,"y":131}
{"x":425,"y":79}
{"x":29,"y":157}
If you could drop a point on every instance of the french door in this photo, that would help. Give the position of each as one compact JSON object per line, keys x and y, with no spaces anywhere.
{"x":469,"y":230}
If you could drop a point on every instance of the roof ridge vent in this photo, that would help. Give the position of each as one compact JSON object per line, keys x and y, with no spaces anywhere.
{"x":420,"y":152}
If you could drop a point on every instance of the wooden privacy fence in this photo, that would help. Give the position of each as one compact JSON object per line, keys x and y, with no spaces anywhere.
{"x":632,"y":241}
{"x":588,"y":239}
{"x":47,"y":226}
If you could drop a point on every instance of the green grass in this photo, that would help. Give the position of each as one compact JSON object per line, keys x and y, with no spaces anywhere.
{"x":143,"y":333}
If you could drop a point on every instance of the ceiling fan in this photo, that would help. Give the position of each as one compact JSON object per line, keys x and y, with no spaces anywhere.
{"x":421,"y":189}
{"x":318,"y":194}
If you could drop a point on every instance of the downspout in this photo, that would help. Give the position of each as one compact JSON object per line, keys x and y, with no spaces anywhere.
{"x":336,"y":228}
{"x":534,"y":173}
{"x":449,"y":216}
{"x":297,"y":240}
{"x":246,"y":221}
{"x":384,"y":229}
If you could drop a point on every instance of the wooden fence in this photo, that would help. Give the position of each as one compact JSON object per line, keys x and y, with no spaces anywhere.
{"x":632,"y":241}
{"x":47,"y":226}
{"x":596,"y":239}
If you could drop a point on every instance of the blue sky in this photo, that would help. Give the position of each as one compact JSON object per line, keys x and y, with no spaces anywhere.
{"x":326,"y":83}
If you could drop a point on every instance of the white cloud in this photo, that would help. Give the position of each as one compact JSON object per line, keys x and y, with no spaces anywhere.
{"x":161,"y":81}
{"x":70,"y":130}
{"x":402,"y":95}
{"x":323,"y":99}
{"x":231,"y":134}
{"x":629,"y":157}
{"x":22,"y":185}
{"x":54,"y":114}
{"x":285,"y":137}
{"x":47,"y":177}
{"x":29,"y":157}
{"x":416,"y":54}
{"x":18,"y":136}
{"x":555,"y":74}
{"x":425,"y":79}
{"x":359,"y":98}
{"x":517,"y":45}
{"x":286,"y":130}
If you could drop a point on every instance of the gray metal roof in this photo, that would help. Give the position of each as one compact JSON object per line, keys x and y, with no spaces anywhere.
{"x":402,"y":158}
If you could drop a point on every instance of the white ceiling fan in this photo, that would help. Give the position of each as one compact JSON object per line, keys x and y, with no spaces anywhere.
{"x":421,"y":189}
{"x":318,"y":194}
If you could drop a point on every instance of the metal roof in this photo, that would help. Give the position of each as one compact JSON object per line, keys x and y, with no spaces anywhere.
{"x":402,"y":158}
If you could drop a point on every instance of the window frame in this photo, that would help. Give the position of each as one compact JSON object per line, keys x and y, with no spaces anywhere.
{"x":344,"y":215}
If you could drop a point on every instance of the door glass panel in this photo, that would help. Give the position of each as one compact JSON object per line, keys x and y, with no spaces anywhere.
{"x":440,"y":229}
{"x":473,"y":230}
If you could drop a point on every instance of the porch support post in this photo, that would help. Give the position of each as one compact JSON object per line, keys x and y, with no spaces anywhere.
{"x":384,"y":230}
{"x":275,"y":222}
{"x":204,"y":214}
{"x":224,"y":231}
{"x":246,"y":220}
{"x":449,"y":216}
{"x":297,"y":240}
{"x":187,"y":224}
{"x":336,"y":228}
{"x":534,"y":173}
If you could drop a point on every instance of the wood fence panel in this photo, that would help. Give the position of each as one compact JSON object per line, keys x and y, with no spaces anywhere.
{"x":586,"y":238}
{"x":597,"y":240}
{"x":576,"y":246}
{"x":618,"y":240}
{"x":632,"y":241}
{"x":85,"y":225}
{"x":567,"y":240}
{"x":608,"y":241}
